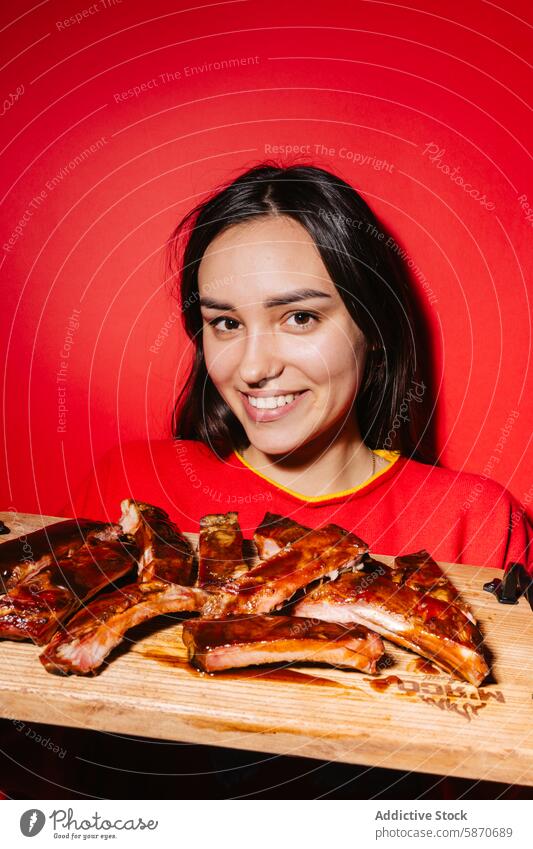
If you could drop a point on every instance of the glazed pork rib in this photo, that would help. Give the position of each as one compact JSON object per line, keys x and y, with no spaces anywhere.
{"x":323,"y":552}
{"x":413,"y":618}
{"x":83,"y":644}
{"x":35,"y":607}
{"x":419,"y":571}
{"x":218,"y":644}
{"x":275,"y":532}
{"x":219,"y":549}
{"x":165,"y":553}
{"x":27,"y":554}
{"x":165,"y":572}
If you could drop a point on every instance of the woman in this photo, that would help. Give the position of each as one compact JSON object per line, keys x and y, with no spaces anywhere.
{"x":304,"y":397}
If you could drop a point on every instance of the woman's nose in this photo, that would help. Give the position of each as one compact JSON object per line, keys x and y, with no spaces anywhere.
{"x":260,"y":358}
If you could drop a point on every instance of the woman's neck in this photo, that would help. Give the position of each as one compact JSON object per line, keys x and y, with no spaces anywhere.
{"x":320,"y":467}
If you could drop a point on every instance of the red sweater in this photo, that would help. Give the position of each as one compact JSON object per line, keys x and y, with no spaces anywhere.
{"x":457,"y":516}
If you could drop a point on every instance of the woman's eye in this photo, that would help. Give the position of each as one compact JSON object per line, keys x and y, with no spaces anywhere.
{"x":216,"y":323}
{"x":302,"y":319}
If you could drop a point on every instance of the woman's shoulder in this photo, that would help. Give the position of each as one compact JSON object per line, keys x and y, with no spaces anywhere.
{"x":165,"y":450}
{"x":147,"y":470}
{"x":471,"y":488}
{"x":147,"y":465}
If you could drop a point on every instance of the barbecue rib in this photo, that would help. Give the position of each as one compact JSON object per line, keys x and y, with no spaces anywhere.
{"x":165,"y":552}
{"x":420,"y":572}
{"x":214,"y":645}
{"x":83,"y":644}
{"x":275,"y":532}
{"x":27,"y":554}
{"x":38,"y":604}
{"x":323,"y":552}
{"x":412,"y":618}
{"x":219,"y":549}
{"x":165,"y":569}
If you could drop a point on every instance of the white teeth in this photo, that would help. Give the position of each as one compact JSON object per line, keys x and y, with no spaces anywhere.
{"x":272,"y":402}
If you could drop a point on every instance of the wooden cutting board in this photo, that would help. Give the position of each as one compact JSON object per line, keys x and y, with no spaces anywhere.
{"x":410,"y":719}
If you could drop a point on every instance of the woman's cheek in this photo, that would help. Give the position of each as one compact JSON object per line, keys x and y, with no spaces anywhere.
{"x":220,"y":362}
{"x":331,"y":358}
{"x":307,"y":356}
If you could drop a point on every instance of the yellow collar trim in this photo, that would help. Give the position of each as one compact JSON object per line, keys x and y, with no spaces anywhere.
{"x":391,"y":456}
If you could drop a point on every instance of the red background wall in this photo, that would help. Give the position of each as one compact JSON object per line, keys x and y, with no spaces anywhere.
{"x":379,"y":79}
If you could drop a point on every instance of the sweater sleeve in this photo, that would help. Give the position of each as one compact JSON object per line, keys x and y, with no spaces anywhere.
{"x":520,"y":539}
{"x":95,"y":497}
{"x":498,"y":529}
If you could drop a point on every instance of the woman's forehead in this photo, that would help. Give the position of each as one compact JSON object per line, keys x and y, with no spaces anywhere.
{"x":265,"y":256}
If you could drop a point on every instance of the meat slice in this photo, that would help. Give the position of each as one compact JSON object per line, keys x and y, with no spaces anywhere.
{"x":214,"y":645}
{"x":420,"y":572}
{"x":275,"y":532}
{"x":165,"y":553}
{"x":37,"y":605}
{"x":323,"y":552}
{"x":220,"y":549}
{"x":165,"y":572}
{"x":412,"y":618}
{"x":83,"y":644}
{"x":28,"y":553}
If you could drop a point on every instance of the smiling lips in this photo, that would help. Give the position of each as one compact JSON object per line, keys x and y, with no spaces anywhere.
{"x":271,"y":402}
{"x":269,"y":408}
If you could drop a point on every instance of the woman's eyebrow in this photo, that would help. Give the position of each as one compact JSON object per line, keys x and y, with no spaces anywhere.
{"x":280,"y":300}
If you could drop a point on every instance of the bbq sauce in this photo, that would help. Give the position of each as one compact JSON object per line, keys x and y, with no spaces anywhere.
{"x":283,"y":675}
{"x":168,"y":659}
{"x":382,"y":684}
{"x":420,"y":664}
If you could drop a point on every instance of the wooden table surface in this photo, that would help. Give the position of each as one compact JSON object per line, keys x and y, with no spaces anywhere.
{"x":417,"y":721}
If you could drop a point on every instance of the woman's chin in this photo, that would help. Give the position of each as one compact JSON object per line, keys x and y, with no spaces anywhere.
{"x":282,"y":444}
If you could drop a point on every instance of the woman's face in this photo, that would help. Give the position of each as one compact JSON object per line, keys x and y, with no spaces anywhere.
{"x":287,"y":361}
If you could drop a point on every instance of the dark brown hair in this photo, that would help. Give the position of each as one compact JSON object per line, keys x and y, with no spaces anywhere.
{"x":353,"y":248}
